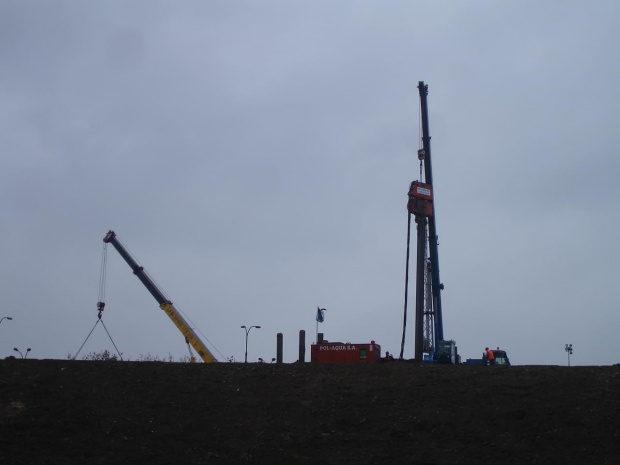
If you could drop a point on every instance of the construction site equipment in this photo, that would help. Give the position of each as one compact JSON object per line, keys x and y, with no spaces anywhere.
{"x":344,"y":352}
{"x":446,"y":353}
{"x":420,"y":199}
{"x":430,"y":345}
{"x":501,"y":358}
{"x":428,"y":315}
{"x":191,"y":338}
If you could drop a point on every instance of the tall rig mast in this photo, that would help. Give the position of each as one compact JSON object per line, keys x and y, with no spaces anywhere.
{"x":428,"y":316}
{"x":433,"y":239}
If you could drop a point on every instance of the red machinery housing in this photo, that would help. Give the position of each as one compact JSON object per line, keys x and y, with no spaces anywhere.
{"x":339,"y":352}
{"x":420,"y":199}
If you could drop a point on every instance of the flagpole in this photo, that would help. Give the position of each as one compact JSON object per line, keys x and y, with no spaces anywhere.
{"x":319,"y":319}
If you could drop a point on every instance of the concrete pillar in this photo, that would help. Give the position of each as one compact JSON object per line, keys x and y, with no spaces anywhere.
{"x":279,"y":348}
{"x":302,"y":346}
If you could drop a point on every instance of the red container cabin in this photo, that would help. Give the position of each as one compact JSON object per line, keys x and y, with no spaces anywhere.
{"x":339,"y":352}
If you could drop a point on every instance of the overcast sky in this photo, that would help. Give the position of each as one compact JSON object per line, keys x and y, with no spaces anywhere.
{"x":255,"y":158}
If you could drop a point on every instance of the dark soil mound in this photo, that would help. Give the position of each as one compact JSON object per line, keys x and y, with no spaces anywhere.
{"x":64,"y":412}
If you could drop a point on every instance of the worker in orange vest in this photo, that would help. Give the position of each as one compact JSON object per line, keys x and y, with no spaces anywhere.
{"x":490,"y":356}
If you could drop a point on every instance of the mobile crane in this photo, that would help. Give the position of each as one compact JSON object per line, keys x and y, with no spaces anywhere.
{"x":166,"y":305}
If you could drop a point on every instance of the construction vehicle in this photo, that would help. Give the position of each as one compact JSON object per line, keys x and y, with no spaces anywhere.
{"x":446,"y":352}
{"x":191,"y":338}
{"x":344,"y":352}
{"x":501,"y":358}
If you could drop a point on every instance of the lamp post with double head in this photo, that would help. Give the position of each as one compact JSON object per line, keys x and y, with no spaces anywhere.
{"x":247,"y":333}
{"x":20,"y":352}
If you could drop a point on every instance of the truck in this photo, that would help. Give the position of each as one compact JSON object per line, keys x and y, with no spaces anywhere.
{"x":191,"y":338}
{"x":501,"y":358}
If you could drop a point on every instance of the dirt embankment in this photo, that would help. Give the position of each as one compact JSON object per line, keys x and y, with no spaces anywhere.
{"x":54,"y":411}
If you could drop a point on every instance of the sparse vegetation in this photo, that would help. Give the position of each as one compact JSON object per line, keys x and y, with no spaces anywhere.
{"x":154,"y":358}
{"x":105,"y":356}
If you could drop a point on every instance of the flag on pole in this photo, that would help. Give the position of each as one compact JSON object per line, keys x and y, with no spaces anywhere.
{"x":319,"y":314}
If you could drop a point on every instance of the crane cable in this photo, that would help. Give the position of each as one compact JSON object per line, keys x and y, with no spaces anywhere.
{"x":102,"y":279}
{"x":402,"y":343}
{"x":101,"y":303}
{"x":420,"y":146}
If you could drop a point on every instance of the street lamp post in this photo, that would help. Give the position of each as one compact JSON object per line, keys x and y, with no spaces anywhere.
{"x":247,"y":333}
{"x":5,"y":318}
{"x":569,"y":350}
{"x":20,"y":352}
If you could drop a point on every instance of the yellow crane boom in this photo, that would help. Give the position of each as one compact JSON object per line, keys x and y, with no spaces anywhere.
{"x":190,"y":336}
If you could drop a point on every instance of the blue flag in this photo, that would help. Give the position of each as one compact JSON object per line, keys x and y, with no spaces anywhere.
{"x":319,"y":314}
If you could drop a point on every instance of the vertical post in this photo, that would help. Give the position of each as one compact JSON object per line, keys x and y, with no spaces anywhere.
{"x":302,"y":346}
{"x":279,"y":348}
{"x":419,"y":297}
{"x":402,"y":342}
